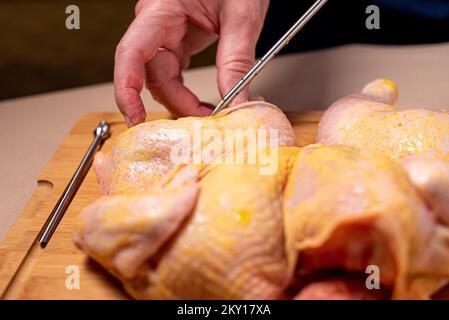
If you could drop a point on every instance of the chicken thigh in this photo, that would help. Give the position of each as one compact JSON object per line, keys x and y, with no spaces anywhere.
{"x":122,"y":231}
{"x":348,"y":209}
{"x":230,"y":246}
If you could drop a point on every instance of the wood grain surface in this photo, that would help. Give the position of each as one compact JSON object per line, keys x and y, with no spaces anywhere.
{"x":30,"y":272}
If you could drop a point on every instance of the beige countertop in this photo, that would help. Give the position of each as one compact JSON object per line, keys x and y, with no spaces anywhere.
{"x":31,"y":128}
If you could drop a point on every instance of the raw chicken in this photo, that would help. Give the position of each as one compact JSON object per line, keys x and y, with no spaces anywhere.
{"x":348,"y":209}
{"x":245,"y":237}
{"x":141,"y":156}
{"x":431,"y":178}
{"x":122,"y":231}
{"x":419,"y":137}
{"x":233,"y":245}
{"x":308,"y":230}
{"x":369,"y":121}
{"x":348,"y":288}
{"x":230,"y":247}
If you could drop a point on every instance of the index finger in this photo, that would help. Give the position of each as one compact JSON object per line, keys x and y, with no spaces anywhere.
{"x":139,"y":45}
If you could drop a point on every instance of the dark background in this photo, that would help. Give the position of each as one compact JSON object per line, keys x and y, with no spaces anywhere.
{"x":343,"y":21}
{"x":38,"y":54}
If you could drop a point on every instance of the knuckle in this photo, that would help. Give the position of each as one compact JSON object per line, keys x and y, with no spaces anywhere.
{"x":237,"y":63}
{"x":121,"y":48}
{"x":140,"y":5}
{"x":158,"y":7}
{"x":252,"y":13}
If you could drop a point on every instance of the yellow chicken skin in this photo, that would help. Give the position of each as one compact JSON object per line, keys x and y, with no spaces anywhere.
{"x":250,"y":236}
{"x":431,"y":178}
{"x":347,"y":209}
{"x":232,"y":246}
{"x":373,"y":194}
{"x":123,"y":231}
{"x":370,"y":121}
{"x":141,"y":156}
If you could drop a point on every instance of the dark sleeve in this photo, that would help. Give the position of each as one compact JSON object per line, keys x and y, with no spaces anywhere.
{"x":342,"y":22}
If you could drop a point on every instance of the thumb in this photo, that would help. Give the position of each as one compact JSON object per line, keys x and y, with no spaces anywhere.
{"x":240,"y":26}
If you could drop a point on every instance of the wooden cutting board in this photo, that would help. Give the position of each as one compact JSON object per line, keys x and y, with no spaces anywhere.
{"x":30,"y":272}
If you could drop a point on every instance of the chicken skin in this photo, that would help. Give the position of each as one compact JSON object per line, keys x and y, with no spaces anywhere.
{"x":370,"y":121}
{"x":348,"y":288}
{"x":372,"y":195}
{"x":233,"y":245}
{"x":141,"y":156}
{"x":230,"y":247}
{"x":241,"y":235}
{"x":431,"y":178}
{"x":122,"y":231}
{"x":348,"y":209}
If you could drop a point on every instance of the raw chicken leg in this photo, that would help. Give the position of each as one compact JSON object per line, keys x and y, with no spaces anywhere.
{"x":230,"y":247}
{"x":233,"y":245}
{"x":122,"y":231}
{"x":347,"y":209}
{"x":141,"y":156}
{"x":419,"y":137}
{"x":369,"y":121}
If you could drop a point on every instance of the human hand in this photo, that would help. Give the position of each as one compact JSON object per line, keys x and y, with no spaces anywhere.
{"x":160,"y":41}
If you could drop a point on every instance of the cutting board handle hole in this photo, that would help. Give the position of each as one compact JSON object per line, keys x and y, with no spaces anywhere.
{"x":45,"y":185}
